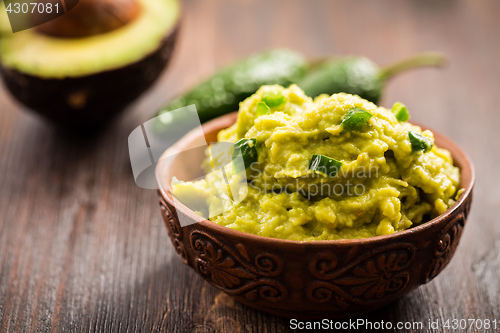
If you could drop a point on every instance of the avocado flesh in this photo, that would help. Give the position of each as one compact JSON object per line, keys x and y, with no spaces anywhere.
{"x":85,"y":82}
{"x":49,"y":57}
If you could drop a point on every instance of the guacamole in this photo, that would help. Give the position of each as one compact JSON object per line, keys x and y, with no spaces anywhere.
{"x":336,"y":167}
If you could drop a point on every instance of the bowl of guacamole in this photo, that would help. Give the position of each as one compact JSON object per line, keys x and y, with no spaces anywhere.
{"x":326,"y":207}
{"x":338,"y":167}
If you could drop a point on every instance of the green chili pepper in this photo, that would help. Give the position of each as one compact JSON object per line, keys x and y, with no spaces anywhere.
{"x":355,"y":119}
{"x":248,"y":149}
{"x":262,"y":109}
{"x":325,"y":165}
{"x":222,"y":93}
{"x":359,"y":75}
{"x":400,"y":111}
{"x":420,"y":142}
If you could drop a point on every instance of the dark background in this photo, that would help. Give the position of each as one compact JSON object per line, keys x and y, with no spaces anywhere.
{"x":83,"y":249}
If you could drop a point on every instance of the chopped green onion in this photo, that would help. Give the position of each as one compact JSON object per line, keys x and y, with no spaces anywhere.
{"x":400,"y":111}
{"x":325,"y":164}
{"x":420,"y":142}
{"x":273,"y":99}
{"x":262,"y":109}
{"x":248,"y":149}
{"x":355,"y":119}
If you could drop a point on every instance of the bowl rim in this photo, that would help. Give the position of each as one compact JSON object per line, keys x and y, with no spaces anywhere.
{"x":230,"y":118}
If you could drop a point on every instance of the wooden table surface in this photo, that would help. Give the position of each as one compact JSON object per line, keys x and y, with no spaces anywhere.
{"x":82,"y":248}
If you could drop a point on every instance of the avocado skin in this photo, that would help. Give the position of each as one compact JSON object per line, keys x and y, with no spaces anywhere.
{"x":90,"y":101}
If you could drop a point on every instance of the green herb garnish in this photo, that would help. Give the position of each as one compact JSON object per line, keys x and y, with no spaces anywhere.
{"x":248,"y":149}
{"x":420,"y":142}
{"x":355,"y":119}
{"x":273,"y":99}
{"x":325,"y":164}
{"x":262,"y":109}
{"x":400,"y":111}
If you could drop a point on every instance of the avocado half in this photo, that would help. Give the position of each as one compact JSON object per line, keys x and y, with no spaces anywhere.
{"x":85,"y":81}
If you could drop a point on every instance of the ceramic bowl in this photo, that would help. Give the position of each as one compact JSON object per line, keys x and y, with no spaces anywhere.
{"x":320,"y":279}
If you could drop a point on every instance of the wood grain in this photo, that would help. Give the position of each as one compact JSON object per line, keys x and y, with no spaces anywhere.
{"x":83,"y":249}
